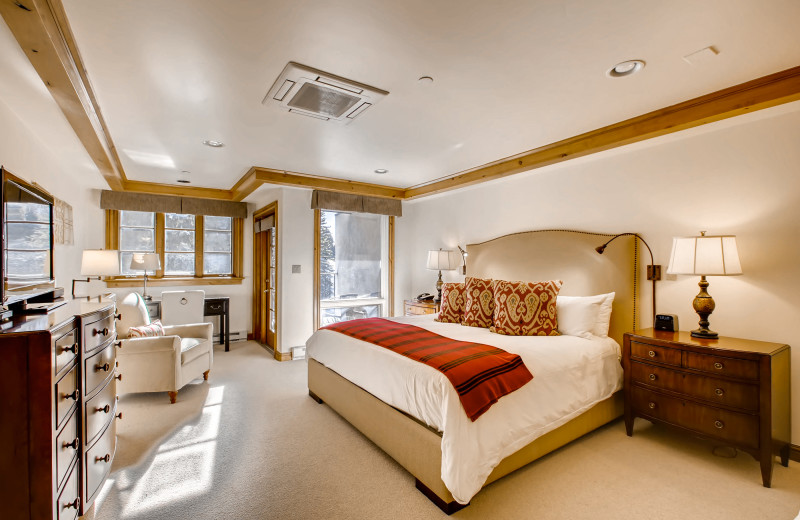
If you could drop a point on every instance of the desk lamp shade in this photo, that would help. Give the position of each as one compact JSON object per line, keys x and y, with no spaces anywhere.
{"x":439,"y":260}
{"x":704,"y":256}
{"x":145,"y":262}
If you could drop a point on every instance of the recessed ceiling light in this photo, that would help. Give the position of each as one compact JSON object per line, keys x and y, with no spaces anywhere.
{"x":184,"y":181}
{"x":381,"y":171}
{"x":213,"y":144}
{"x":626,"y":68}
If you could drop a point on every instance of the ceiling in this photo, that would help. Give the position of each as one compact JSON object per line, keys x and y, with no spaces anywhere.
{"x":509,"y":76}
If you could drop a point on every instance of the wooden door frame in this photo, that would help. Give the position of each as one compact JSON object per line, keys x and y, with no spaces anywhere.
{"x":269,"y":209}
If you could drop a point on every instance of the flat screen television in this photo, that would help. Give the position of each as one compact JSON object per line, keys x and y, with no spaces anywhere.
{"x":26,"y":216}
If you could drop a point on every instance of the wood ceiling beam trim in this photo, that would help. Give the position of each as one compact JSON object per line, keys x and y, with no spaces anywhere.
{"x":284,"y":178}
{"x":764,"y":92}
{"x":42,"y":32}
{"x":246,"y":185}
{"x":181,"y":191}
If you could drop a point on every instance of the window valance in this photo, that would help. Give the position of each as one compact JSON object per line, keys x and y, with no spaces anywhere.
{"x":334,"y":201}
{"x":129,"y":201}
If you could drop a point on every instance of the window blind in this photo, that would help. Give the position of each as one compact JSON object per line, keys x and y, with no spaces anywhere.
{"x":334,"y":201}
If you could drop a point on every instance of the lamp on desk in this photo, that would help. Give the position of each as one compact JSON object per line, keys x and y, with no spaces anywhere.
{"x":145,"y":262}
{"x":440,"y":261}
{"x":704,"y":256}
{"x":97,"y":263}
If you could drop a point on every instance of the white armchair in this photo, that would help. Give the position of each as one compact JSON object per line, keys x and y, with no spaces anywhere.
{"x":160,"y":363}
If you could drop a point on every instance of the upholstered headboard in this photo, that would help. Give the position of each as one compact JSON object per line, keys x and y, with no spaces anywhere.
{"x":569,"y":256}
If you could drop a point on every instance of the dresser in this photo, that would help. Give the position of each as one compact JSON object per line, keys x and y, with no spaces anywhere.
{"x":730,"y":390}
{"x":57,"y":428}
{"x":415,"y":307}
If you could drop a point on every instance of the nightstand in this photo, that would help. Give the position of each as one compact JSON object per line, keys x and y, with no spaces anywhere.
{"x":414,"y":307}
{"x":731,"y":390}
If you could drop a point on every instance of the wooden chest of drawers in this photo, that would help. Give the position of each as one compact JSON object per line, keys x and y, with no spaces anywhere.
{"x":46,"y":457}
{"x":729,"y":390}
{"x":414,"y":307}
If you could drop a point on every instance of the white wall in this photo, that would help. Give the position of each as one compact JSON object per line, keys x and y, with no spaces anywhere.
{"x":735,"y":177}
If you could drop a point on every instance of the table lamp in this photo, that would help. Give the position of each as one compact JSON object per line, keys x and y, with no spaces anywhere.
{"x":704,"y":256}
{"x":440,"y":261}
{"x":96,"y":263}
{"x":145,"y":262}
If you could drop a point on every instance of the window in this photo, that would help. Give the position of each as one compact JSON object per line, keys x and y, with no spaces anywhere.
{"x":353,"y":266}
{"x":190,"y":246}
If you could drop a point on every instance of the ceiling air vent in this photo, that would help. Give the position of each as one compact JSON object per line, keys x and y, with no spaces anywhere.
{"x":310,"y":92}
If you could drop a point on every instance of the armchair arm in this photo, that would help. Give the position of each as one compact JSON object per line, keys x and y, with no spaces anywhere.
{"x":194,"y":330}
{"x":151,"y":344}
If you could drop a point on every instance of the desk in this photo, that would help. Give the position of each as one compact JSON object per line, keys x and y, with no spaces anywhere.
{"x":214,"y":306}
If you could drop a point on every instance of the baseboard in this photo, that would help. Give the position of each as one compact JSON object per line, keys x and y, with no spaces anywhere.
{"x":794,"y":453}
{"x":283,"y":356}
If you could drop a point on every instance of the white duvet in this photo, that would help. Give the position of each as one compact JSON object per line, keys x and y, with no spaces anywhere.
{"x":571,"y":375}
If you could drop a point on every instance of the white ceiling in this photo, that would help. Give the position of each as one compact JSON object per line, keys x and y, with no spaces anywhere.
{"x":509,"y":76}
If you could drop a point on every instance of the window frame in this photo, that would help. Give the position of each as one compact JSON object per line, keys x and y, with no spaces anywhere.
{"x":389,"y":298}
{"x":160,"y":278}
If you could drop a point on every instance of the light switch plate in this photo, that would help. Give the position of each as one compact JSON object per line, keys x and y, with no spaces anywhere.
{"x":295,"y":269}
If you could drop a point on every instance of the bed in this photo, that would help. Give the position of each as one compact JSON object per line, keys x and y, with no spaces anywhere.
{"x":405,"y":408}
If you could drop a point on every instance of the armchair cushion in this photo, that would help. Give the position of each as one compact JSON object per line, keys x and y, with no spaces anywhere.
{"x":195,"y":330}
{"x":152,"y":344}
{"x":134,"y":314}
{"x":193,"y":348}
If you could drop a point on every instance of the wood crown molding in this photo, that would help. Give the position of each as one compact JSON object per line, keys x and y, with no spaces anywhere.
{"x":42,"y":30}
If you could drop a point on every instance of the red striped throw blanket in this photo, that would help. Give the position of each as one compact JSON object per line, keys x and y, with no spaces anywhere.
{"x":481,"y":374}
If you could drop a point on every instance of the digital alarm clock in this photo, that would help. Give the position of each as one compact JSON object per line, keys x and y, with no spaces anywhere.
{"x":666,"y":322}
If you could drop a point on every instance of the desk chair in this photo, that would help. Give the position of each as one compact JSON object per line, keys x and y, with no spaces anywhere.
{"x":182,"y":307}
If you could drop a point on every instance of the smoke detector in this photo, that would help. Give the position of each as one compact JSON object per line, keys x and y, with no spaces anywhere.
{"x":311,"y":92}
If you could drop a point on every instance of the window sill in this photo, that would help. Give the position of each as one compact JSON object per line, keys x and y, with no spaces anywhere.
{"x":178,"y":280}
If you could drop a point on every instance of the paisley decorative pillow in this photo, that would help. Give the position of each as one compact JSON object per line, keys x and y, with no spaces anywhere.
{"x":452,"y":306}
{"x":479,"y":303}
{"x":147,"y":331}
{"x":525,"y":309}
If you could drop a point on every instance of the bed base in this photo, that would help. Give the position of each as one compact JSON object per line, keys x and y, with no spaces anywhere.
{"x":417,"y":447}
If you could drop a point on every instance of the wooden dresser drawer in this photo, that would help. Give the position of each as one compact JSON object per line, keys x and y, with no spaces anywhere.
{"x":98,"y":461}
{"x":65,"y":349}
{"x":67,"y":444}
{"x":98,"y":368}
{"x":668,"y":356}
{"x":718,"y":391}
{"x":69,"y":501}
{"x":98,"y":332}
{"x":100,"y":409}
{"x":723,"y":366}
{"x":67,"y":394}
{"x":738,"y":428}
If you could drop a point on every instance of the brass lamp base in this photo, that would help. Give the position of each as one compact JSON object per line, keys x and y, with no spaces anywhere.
{"x":439,"y":284}
{"x":703,"y":305}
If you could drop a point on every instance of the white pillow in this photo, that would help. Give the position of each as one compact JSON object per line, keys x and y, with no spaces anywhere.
{"x":584,"y":316}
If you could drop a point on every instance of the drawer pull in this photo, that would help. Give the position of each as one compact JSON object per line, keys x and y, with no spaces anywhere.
{"x":105,"y":367}
{"x":103,"y":331}
{"x":74,"y":444}
{"x":651,"y":404}
{"x":118,"y":344}
{"x":718,"y":365}
{"x":118,"y":377}
{"x":652,"y":377}
{"x":651,"y":353}
{"x":119,"y":416}
{"x":118,"y":316}
{"x":104,"y":409}
{"x":719,"y":424}
{"x":215,"y":307}
{"x":75,"y":503}
{"x":107,"y":458}
{"x":74,"y":395}
{"x":720,"y":392}
{"x":72,"y":348}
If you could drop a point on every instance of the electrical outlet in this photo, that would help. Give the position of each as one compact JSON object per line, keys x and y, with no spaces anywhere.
{"x":295,"y":269}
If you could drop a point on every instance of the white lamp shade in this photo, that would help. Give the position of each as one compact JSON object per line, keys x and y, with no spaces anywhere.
{"x":145,"y":262}
{"x":100,"y":262}
{"x":705,"y":256}
{"x":440,"y":260}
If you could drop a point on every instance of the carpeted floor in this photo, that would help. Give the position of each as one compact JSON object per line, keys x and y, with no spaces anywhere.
{"x":251,"y":444}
